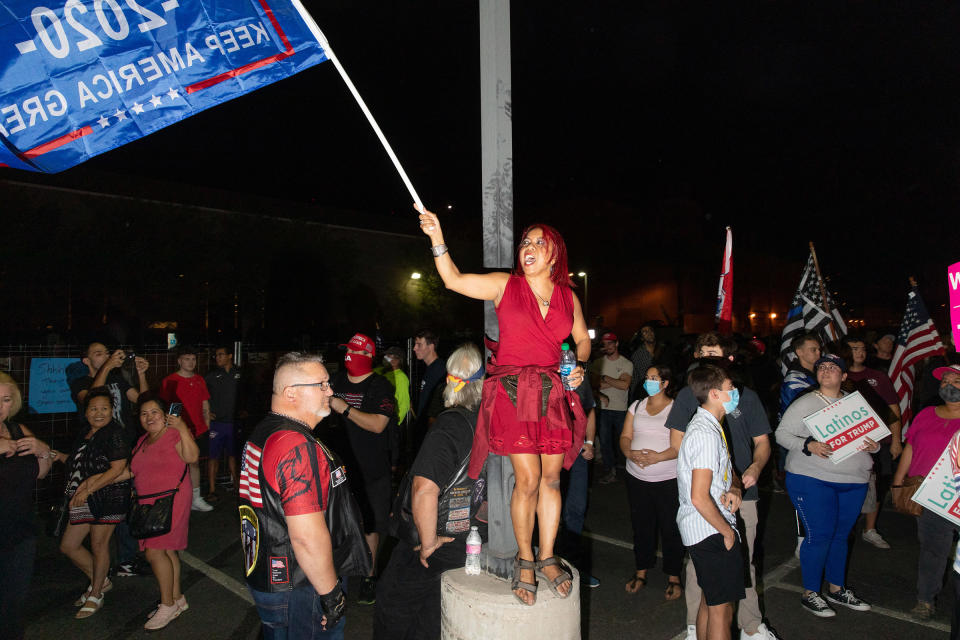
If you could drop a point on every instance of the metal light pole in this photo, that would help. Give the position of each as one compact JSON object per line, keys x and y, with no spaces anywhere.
{"x":586,"y":295}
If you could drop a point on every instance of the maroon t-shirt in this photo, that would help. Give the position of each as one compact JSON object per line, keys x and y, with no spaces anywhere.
{"x":879,"y":381}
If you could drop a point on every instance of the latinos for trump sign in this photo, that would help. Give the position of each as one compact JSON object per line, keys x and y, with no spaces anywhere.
{"x":80,"y":77}
{"x":844,"y":424}
{"x":938,"y":492}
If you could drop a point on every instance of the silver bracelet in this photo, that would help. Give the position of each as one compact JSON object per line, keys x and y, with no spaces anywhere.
{"x":438,"y":250}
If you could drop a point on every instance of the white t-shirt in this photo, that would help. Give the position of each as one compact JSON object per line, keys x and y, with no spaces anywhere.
{"x":651,"y":432}
{"x":614,"y":369}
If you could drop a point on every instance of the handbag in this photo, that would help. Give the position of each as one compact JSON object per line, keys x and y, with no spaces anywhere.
{"x":156,"y":519}
{"x":58,"y":518}
{"x":903,"y":494}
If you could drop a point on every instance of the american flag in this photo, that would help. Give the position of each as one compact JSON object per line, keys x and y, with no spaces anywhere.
{"x":250,"y":475}
{"x":807,"y":314}
{"x":917,"y":339}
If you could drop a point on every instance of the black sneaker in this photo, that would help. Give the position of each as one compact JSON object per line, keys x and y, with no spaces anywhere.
{"x":846,"y":598}
{"x":816,"y":605}
{"x":368,"y":591}
{"x":126,"y":570}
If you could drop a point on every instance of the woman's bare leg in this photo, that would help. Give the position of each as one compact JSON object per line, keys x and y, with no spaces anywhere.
{"x":523,"y":511}
{"x":71,"y":545}
{"x":100,"y":547}
{"x":549,"y":507}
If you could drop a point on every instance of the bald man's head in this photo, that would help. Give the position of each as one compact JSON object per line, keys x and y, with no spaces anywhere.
{"x":301,"y":387}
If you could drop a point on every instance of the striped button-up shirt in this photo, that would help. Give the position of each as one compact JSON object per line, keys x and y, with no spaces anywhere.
{"x":704,"y":447}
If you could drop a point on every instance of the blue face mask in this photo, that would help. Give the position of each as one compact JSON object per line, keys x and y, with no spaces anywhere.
{"x":730,"y":405}
{"x":652,"y":387}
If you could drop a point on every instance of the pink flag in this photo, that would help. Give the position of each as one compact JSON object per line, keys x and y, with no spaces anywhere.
{"x":953,"y":278}
{"x":724,"y":315}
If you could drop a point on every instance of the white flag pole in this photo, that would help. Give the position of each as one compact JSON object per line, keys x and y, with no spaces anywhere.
{"x":322,"y":39}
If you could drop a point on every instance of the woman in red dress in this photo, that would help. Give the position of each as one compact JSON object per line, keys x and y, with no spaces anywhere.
{"x":525,"y":413}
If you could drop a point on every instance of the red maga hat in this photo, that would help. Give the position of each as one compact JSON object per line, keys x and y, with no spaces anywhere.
{"x":360,"y":342}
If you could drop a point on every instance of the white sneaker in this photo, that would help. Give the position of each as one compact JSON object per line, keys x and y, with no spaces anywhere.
{"x":796,"y":553}
{"x":874,"y":538}
{"x":199,"y":504}
{"x":691,"y":632}
{"x":163,"y":616}
{"x":763,"y":633}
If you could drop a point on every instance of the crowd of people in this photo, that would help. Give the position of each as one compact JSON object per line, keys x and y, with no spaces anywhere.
{"x":689,"y":428}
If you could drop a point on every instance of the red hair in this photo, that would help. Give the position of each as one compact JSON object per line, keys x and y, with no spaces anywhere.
{"x":558,"y":250}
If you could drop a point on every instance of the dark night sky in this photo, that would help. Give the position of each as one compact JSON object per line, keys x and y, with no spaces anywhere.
{"x":797,"y":121}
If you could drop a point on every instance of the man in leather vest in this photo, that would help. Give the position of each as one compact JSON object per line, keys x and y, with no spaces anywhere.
{"x":300,"y":527}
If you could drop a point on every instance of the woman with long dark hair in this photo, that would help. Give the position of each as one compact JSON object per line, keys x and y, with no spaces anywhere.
{"x":525,"y":412}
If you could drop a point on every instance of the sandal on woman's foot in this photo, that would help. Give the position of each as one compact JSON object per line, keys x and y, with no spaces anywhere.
{"x":90,"y":607}
{"x":519,"y":564}
{"x":635,"y":583}
{"x":565,"y":575}
{"x":674,"y":590}
{"x":107,"y":585}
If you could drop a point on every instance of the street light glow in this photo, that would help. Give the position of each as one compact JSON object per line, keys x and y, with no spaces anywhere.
{"x":415,"y":275}
{"x":582,"y":274}
{"x":773,"y":316}
{"x":752,"y":315}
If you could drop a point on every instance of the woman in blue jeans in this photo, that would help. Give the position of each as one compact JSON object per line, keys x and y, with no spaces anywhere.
{"x":827,"y":496}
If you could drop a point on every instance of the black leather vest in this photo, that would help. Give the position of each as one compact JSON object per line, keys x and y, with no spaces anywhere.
{"x":269,"y":562}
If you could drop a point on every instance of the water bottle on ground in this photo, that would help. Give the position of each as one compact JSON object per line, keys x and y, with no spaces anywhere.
{"x":473,"y":552}
{"x":568,"y":362}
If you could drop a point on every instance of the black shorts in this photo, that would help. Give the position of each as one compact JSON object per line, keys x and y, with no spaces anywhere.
{"x":719,"y":571}
{"x":203,"y":443}
{"x":374,"y":496}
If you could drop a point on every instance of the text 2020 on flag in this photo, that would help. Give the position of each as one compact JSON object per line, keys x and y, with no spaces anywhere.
{"x":80,"y":77}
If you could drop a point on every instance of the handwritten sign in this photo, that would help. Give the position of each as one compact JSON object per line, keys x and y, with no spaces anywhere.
{"x":48,"y":391}
{"x":938,"y":493}
{"x":845,"y":424}
{"x":953,"y":281}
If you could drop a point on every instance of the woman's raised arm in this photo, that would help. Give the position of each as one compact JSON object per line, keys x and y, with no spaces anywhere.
{"x":481,"y":286}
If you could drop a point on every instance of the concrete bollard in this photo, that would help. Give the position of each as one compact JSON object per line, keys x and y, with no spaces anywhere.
{"x":483,"y":608}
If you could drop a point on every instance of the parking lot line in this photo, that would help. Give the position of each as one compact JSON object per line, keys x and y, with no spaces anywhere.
{"x":230,"y":584}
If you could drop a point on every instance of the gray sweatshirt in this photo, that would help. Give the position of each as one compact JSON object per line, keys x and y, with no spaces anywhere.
{"x":792,"y":433}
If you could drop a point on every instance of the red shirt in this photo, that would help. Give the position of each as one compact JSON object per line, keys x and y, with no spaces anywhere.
{"x":301,"y":488}
{"x":191,"y":392}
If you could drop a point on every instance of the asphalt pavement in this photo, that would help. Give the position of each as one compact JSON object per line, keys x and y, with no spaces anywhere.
{"x":220,"y":607}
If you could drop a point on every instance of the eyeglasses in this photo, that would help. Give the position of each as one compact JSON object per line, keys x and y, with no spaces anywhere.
{"x":323,"y":385}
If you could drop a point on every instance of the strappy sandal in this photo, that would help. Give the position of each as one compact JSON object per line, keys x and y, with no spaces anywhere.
{"x":107,"y":585}
{"x":90,"y":607}
{"x":673,"y":591}
{"x":635,"y":583}
{"x":566,"y":574}
{"x":520,"y":564}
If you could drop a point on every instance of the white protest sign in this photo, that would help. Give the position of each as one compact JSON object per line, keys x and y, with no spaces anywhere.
{"x":937,"y":492}
{"x":844,"y":424}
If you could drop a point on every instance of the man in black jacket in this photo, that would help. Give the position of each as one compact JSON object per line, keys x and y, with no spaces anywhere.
{"x":300,"y":528}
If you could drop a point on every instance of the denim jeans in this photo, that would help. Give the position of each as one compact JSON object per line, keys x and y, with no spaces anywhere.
{"x":294,"y":615}
{"x":936,"y":538}
{"x":16,"y":569}
{"x":575,"y":500}
{"x":611,"y":425}
{"x":127,"y":545}
{"x":828,"y":511}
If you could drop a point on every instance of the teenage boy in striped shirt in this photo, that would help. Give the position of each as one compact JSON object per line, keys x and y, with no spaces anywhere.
{"x":710,"y":494}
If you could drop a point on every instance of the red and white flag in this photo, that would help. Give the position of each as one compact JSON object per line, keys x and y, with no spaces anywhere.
{"x":724,"y":314}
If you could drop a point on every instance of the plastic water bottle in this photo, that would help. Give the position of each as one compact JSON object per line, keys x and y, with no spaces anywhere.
{"x":568,"y":362}
{"x":473,"y":552}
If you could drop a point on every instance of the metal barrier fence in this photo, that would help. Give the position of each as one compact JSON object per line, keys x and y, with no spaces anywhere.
{"x":61,"y":429}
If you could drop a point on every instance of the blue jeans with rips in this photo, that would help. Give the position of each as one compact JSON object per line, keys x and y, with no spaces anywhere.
{"x":294,"y":615}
